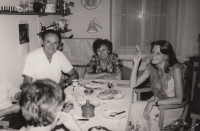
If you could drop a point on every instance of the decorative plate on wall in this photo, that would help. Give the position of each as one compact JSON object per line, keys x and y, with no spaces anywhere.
{"x":90,"y":4}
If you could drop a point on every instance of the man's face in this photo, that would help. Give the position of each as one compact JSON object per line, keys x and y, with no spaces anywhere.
{"x":51,"y":43}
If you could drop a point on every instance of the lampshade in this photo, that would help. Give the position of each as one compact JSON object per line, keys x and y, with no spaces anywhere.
{"x":92,"y":28}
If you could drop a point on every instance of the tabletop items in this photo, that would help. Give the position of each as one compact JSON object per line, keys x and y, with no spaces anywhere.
{"x":94,"y":113}
{"x":88,"y":109}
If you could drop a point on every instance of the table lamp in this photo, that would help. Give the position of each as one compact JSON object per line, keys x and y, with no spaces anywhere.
{"x":91,"y":27}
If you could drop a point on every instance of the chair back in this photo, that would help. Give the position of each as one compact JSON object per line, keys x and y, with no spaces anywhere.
{"x":126,"y":73}
{"x":186,"y":77}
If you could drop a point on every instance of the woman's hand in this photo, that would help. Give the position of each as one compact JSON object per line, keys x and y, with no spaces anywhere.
{"x":148,"y":109}
{"x":137,"y":57}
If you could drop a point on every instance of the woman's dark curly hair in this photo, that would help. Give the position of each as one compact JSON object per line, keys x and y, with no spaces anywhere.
{"x":99,"y":42}
{"x":166,"y":49}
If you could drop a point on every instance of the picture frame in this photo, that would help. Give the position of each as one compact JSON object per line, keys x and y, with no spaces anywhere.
{"x":91,"y":4}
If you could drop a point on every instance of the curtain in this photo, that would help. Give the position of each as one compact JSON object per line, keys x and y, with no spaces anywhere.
{"x":140,"y":22}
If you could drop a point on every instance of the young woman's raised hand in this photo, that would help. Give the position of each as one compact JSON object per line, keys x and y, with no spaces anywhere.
{"x":138,"y":55}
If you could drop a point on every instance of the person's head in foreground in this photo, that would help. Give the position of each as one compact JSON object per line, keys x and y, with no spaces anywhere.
{"x":41,"y":103}
{"x":162,"y":53}
{"x":51,"y":41}
{"x":102,"y":48}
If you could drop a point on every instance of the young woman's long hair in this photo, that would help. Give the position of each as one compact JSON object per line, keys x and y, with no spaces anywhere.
{"x":167,"y":49}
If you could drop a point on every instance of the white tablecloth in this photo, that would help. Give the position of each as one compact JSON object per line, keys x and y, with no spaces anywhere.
{"x":124,"y":104}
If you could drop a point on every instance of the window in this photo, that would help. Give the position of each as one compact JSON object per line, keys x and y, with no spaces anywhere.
{"x":140,"y":22}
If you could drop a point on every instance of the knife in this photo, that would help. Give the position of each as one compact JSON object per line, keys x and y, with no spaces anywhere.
{"x":83,"y":119}
{"x":118,"y":113}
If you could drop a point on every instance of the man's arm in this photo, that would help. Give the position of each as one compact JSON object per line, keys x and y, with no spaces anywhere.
{"x":72,"y":74}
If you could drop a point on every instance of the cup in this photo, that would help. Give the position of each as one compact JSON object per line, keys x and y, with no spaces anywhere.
{"x":75,"y":82}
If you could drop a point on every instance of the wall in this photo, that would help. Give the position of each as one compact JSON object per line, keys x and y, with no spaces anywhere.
{"x":81,"y":17}
{"x":11,"y":63}
{"x":191,"y":28}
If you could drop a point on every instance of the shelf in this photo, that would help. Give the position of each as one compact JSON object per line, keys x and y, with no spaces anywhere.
{"x":30,"y":13}
{"x":63,"y":31}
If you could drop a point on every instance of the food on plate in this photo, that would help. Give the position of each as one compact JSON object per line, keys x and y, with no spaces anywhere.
{"x":68,"y":106}
{"x":98,"y":128}
{"x":110,"y":94}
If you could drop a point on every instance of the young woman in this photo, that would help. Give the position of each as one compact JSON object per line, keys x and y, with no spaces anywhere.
{"x":105,"y":64}
{"x":166,"y":83}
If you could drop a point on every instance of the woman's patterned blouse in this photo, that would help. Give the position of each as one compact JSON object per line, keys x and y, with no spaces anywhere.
{"x":159,"y":92}
{"x":114,"y":64}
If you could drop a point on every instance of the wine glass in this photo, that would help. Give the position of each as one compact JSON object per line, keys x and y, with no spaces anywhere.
{"x":24,"y":4}
{"x":110,"y":85}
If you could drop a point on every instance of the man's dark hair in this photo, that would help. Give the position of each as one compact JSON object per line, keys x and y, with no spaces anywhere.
{"x":51,"y":32}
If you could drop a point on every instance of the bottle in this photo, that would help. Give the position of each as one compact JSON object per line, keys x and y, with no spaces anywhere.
{"x":58,"y":6}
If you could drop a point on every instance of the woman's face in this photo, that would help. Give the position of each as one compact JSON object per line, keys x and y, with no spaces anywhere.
{"x":103,"y":52}
{"x":156,"y":56}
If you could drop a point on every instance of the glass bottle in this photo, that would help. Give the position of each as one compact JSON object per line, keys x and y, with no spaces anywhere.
{"x":58,"y":6}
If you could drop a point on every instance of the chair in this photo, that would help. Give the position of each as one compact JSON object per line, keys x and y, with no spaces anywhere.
{"x":165,"y":107}
{"x":80,"y":70}
{"x":146,"y":88}
{"x":194,"y":118}
{"x":126,"y":73}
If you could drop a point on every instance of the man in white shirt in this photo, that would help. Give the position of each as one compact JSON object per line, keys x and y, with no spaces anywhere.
{"x":8,"y":93}
{"x":48,"y":62}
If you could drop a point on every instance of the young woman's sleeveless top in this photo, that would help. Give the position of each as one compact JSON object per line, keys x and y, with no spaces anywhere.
{"x":165,"y":89}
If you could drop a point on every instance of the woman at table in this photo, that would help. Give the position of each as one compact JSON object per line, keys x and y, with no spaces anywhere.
{"x":166,"y":83}
{"x":104,"y":64}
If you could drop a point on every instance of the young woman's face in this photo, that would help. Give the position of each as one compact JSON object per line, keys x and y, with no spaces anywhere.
{"x":103,"y":52}
{"x":51,"y":43}
{"x":156,"y":56}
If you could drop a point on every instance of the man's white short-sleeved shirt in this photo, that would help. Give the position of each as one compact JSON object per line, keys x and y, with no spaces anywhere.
{"x":37,"y":65}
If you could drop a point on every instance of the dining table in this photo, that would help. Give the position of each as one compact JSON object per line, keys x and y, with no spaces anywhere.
{"x":101,"y":120}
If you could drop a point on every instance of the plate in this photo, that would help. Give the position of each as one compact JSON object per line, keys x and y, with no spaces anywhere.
{"x":95,"y":103}
{"x":98,"y":128}
{"x":94,"y":88}
{"x":107,"y":114}
{"x":99,"y":81}
{"x":79,"y":122}
{"x":111,"y":97}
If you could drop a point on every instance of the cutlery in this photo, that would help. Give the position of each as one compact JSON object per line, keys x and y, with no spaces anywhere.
{"x":97,"y":82}
{"x":117,"y":113}
{"x":83,"y":119}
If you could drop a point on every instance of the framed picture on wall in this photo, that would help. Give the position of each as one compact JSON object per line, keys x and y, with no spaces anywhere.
{"x":23,"y":28}
{"x":23,"y":33}
{"x":90,"y":4}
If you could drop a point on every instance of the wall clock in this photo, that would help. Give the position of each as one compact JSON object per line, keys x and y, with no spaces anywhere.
{"x":90,"y":4}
